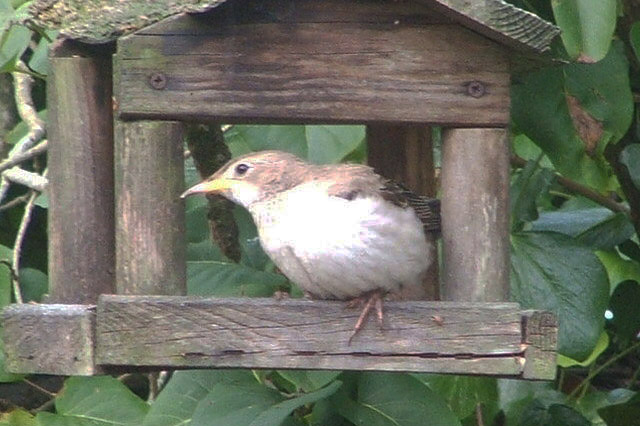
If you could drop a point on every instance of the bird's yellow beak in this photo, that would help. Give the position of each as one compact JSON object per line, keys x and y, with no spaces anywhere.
{"x":209,"y":187}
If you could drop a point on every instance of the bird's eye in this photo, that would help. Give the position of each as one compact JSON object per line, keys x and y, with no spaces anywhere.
{"x":241,"y":169}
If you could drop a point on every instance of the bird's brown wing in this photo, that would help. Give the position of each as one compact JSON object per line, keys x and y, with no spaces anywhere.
{"x":360,"y":181}
{"x":427,"y":209}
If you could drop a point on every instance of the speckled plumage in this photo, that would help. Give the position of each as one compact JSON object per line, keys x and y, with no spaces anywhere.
{"x":338,"y":231}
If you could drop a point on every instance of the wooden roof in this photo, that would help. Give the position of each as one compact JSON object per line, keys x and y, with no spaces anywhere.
{"x":99,"y":21}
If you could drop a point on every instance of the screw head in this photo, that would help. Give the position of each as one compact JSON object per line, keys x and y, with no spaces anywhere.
{"x":476,"y":89}
{"x":158,"y":80}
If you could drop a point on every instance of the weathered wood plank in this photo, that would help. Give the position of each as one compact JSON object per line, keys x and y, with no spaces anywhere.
{"x":80,"y":162}
{"x":49,"y":339}
{"x":315,"y":72}
{"x":149,"y":176}
{"x":266,"y":333}
{"x":541,"y":340}
{"x":475,"y":215}
{"x":405,"y":154}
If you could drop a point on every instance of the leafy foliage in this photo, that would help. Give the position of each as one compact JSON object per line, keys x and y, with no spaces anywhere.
{"x":575,"y":118}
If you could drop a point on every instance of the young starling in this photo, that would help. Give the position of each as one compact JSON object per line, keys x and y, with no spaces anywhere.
{"x":338,"y":231}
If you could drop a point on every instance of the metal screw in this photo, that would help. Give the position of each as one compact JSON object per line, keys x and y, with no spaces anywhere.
{"x":476,"y":89}
{"x":158,"y":80}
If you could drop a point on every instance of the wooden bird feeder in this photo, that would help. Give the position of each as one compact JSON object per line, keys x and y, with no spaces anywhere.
{"x":116,"y":223}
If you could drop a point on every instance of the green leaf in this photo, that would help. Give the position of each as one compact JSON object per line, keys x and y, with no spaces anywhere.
{"x":463,"y":393}
{"x":574,"y":138}
{"x":393,"y":399}
{"x":624,"y":308}
{"x":252,"y":253}
{"x":39,"y":61}
{"x":608,"y":233}
{"x":99,"y":401}
{"x":630,"y":157}
{"x":13,"y":44}
{"x":549,"y":271}
{"x":230,"y":279}
{"x":572,"y":222}
{"x":234,"y":404}
{"x":253,"y":137}
{"x":179,"y":399}
{"x":625,"y":412}
{"x":601,"y":346}
{"x":537,"y":414}
{"x":21,"y":129}
{"x":619,"y":269}
{"x":515,"y":396}
{"x":587,"y":27}
{"x":531,"y":182}
{"x":309,"y":380}
{"x":275,"y":415}
{"x":34,"y":284}
{"x":330,"y":144}
{"x":17,"y":417}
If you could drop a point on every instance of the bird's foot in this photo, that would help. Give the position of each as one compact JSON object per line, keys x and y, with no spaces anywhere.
{"x":370,"y":300}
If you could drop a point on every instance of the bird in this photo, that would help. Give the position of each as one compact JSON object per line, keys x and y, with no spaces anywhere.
{"x":339,"y":231}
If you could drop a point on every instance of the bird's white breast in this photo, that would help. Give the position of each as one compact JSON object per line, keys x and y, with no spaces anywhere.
{"x":338,"y":248}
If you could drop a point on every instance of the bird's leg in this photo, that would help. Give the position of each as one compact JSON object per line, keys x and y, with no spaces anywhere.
{"x":373,"y":298}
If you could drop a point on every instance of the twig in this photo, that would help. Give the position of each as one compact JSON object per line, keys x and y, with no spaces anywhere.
{"x":17,"y":246}
{"x":606,"y":364}
{"x":24,"y":156}
{"x":14,"y":202}
{"x":580,"y":189}
{"x":479,"y":418}
{"x":23,"y":84}
{"x":31,"y":180}
{"x":40,"y":388}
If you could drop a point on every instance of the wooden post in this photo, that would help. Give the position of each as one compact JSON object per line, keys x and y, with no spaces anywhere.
{"x":80,"y":162}
{"x":405,"y":154}
{"x":150,"y":245}
{"x":475,"y":215}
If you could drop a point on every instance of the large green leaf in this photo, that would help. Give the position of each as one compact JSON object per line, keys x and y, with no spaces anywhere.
{"x":549,"y":271}
{"x":17,"y":417}
{"x":624,"y":412}
{"x":95,"y":401}
{"x":619,"y":269}
{"x":463,"y":393}
{"x":587,"y":27}
{"x":179,"y":399}
{"x":212,"y":278}
{"x":330,"y":144}
{"x":277,"y":414}
{"x":601,"y":346}
{"x":515,"y":396}
{"x":538,"y":414}
{"x":634,"y":38}
{"x":630,"y":157}
{"x":393,"y":399}
{"x":13,"y":43}
{"x":309,"y":380}
{"x":572,"y":112}
{"x":252,"y":137}
{"x":529,"y":184}
{"x":571,"y":222}
{"x":34,"y":284}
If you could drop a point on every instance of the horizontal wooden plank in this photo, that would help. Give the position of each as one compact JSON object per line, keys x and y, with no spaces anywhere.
{"x":160,"y":331}
{"x":49,"y":339}
{"x":359,"y":72}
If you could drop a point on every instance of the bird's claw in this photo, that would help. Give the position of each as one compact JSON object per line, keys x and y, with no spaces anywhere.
{"x":373,"y":299}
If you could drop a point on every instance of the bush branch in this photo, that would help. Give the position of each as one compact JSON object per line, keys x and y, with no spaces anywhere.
{"x":578,"y":188}
{"x":24,"y":156}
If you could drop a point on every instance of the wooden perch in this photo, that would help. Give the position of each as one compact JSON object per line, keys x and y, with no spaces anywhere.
{"x":187,"y":332}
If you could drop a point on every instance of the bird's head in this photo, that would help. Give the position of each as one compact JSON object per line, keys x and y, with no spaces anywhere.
{"x":253,"y":177}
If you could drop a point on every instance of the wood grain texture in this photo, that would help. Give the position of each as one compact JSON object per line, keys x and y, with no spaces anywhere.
{"x":49,"y":339}
{"x":475,"y":215}
{"x":150,"y":223}
{"x":80,"y":162}
{"x":265,"y":333}
{"x":405,"y":154}
{"x":347,"y":70}
{"x":541,"y":340}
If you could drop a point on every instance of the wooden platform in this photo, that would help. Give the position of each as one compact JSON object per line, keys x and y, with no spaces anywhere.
{"x":162,"y":332}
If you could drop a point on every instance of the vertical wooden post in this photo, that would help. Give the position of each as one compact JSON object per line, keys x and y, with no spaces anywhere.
{"x":475,"y":214}
{"x":149,"y":176}
{"x":80,"y":162}
{"x":405,"y":154}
